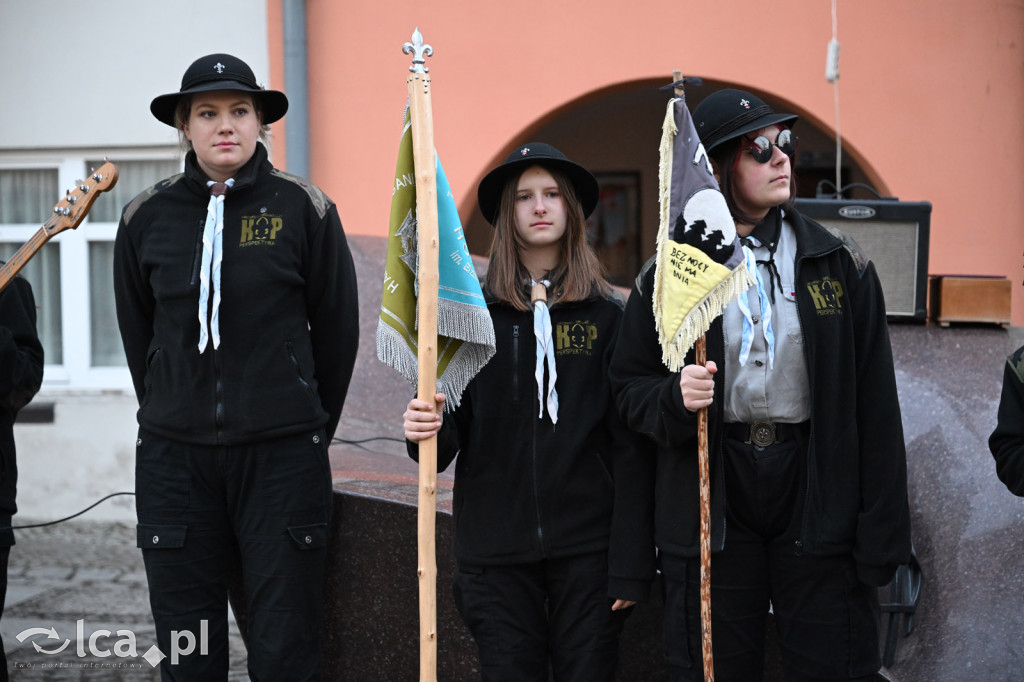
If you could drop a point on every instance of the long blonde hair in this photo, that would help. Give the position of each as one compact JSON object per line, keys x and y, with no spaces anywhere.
{"x":578,"y":274}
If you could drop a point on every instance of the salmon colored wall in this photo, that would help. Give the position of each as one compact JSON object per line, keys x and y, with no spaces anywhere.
{"x":275,"y":44}
{"x":931,"y":93}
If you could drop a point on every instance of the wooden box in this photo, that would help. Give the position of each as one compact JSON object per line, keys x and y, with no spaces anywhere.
{"x":969,"y":298}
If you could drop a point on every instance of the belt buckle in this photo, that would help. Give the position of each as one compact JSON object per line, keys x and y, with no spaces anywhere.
{"x":762,"y":434}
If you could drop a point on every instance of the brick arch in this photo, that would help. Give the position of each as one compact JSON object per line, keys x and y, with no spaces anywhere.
{"x":617,"y":129}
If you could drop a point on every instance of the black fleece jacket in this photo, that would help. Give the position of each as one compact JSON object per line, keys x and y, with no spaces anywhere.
{"x":856,"y":487}
{"x":289,"y":319}
{"x":21,"y":374}
{"x":527,"y":489}
{"x":1007,"y":440}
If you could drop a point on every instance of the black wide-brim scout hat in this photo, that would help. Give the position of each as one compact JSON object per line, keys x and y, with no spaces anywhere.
{"x":220,"y":72}
{"x":535,"y":154}
{"x":726,"y":114}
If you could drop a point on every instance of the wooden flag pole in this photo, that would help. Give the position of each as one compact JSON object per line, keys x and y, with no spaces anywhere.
{"x":700,"y":350}
{"x":424,"y":162}
{"x":705,"y":526}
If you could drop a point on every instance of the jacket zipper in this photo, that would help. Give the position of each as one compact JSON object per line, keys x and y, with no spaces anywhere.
{"x":197,"y":256}
{"x":218,"y":392}
{"x":533,"y":439}
{"x":536,"y":487}
{"x":799,"y":544}
{"x":515,"y":363}
{"x":218,"y":384}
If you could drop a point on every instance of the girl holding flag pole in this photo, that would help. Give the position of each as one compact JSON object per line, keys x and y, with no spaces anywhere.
{"x":549,"y":560}
{"x":809,"y":511}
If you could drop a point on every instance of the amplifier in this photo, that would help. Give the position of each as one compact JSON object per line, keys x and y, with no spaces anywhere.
{"x":894,"y":235}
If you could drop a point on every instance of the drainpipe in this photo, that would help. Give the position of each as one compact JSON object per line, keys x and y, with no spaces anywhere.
{"x":296,"y":80}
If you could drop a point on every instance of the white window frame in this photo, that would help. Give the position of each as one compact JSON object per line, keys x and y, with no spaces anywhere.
{"x":76,"y":373}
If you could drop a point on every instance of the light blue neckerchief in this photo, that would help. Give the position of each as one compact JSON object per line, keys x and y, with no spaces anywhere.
{"x":766,"y":311}
{"x":545,"y":351}
{"x":213,"y":255}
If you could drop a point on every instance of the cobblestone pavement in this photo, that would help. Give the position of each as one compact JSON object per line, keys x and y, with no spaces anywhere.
{"x":78,"y":578}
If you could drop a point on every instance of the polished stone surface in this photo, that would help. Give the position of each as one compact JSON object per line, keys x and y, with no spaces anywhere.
{"x":968,"y":529}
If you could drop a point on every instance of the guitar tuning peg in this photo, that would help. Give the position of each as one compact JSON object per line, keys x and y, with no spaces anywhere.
{"x":97,"y":177}
{"x":70,"y":198}
{"x":83,"y":187}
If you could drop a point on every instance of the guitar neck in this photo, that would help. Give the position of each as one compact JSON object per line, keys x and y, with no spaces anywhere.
{"x":67,"y":214}
{"x":16,"y":262}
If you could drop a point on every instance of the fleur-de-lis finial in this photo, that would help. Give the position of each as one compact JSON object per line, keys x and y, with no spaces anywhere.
{"x":419,"y":52}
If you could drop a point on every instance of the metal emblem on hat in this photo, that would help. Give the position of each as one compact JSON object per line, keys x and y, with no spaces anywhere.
{"x":525,"y":151}
{"x":219,"y":67}
{"x":745,"y":103}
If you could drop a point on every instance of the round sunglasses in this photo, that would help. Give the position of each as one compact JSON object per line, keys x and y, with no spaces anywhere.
{"x":761,"y":147}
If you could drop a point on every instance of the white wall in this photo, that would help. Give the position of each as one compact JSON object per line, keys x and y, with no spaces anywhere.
{"x":86,"y":454}
{"x":79,"y":76}
{"x":82,"y":74}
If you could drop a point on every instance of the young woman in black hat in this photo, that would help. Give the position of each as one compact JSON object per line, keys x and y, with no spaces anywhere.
{"x":808,"y":466}
{"x":236,"y":301}
{"x":540,"y":448}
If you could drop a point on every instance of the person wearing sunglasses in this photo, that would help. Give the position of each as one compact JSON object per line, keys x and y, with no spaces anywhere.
{"x":808,"y":464}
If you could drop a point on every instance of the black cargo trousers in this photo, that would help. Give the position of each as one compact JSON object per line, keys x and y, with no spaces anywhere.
{"x":203,"y":510}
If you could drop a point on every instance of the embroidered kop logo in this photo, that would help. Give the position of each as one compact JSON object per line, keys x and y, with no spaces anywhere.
{"x":575,"y":338}
{"x":260,"y":230}
{"x":827,"y":295}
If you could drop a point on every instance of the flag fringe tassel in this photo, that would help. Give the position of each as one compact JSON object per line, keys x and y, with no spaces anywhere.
{"x":455,"y":322}
{"x":699,"y":319}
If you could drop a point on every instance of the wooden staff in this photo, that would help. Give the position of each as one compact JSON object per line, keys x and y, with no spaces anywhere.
{"x":705,"y":526}
{"x":426,"y":227}
{"x":700,"y":350}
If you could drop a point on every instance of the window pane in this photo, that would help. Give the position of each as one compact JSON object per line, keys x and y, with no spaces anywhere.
{"x":43,"y":273}
{"x":106,"y":341}
{"x":132,"y":178}
{"x":28,"y":195}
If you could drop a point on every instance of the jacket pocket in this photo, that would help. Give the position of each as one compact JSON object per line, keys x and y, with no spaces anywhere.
{"x":148,"y":382}
{"x":159,"y":536}
{"x":290,"y":347}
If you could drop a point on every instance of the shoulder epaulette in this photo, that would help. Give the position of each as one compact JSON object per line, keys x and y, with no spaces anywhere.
{"x":860,"y":259}
{"x":616,"y":295}
{"x":146,"y":194}
{"x":320,"y":200}
{"x":1016,"y":363}
{"x":643,"y":273}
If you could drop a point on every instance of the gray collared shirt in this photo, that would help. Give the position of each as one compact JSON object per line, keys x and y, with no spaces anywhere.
{"x":753,"y":392}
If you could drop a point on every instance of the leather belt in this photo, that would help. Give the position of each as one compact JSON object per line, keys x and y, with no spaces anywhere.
{"x":763,"y":434}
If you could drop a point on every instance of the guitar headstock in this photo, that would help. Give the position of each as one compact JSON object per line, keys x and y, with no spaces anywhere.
{"x":70,"y":211}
